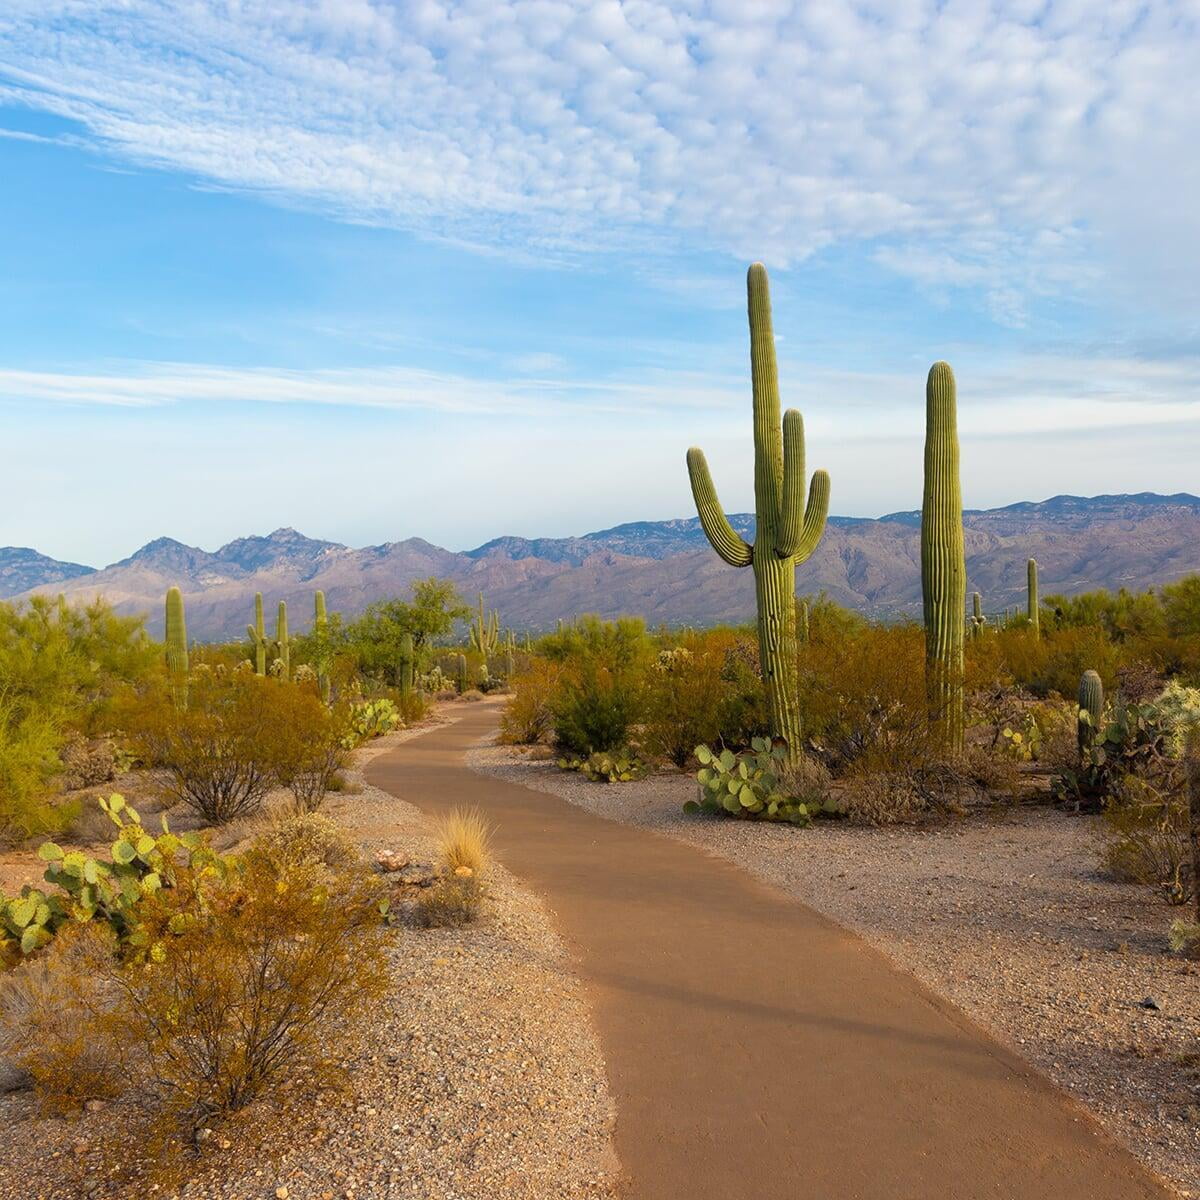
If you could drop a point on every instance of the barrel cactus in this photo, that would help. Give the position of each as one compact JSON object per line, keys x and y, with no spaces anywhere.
{"x":177,"y":651}
{"x":788,"y":529}
{"x":943,"y":560}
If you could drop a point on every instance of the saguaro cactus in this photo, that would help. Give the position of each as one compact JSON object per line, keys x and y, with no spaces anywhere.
{"x":321,"y":629}
{"x":406,"y":664}
{"x":943,"y":561}
{"x":1091,"y":710}
{"x":787,"y":530}
{"x":1032,"y":599}
{"x":485,"y":633}
{"x":460,"y":676}
{"x":177,"y":651}
{"x":283,"y":645}
{"x":978,"y":624}
{"x":257,"y":633}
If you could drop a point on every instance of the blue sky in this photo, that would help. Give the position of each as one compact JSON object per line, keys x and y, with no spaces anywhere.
{"x":455,"y":270}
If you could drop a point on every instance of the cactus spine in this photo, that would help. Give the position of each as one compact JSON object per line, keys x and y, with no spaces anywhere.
{"x":787,"y":530}
{"x":283,"y":645}
{"x":1032,"y":600}
{"x":406,"y":664}
{"x":943,"y":561}
{"x":257,"y":633}
{"x":321,"y":629}
{"x":177,"y":651}
{"x":460,"y":676}
{"x":1091,"y":710}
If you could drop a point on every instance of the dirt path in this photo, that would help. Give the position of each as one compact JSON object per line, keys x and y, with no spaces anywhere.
{"x":754,"y":1048}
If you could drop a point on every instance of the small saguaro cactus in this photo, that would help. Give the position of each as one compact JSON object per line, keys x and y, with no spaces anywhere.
{"x":321,"y":629}
{"x":407,"y":657}
{"x":787,"y":530}
{"x":257,"y":633}
{"x":978,"y":624}
{"x":943,"y":559}
{"x":460,"y":674}
{"x":1091,"y":710}
{"x":283,"y":645}
{"x":1032,"y":599}
{"x":177,"y":650}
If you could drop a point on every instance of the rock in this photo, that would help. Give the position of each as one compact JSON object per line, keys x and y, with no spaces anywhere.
{"x":96,"y":1106}
{"x":281,"y":1193}
{"x":416,"y":875}
{"x":387,"y":861}
{"x":1148,"y":1002}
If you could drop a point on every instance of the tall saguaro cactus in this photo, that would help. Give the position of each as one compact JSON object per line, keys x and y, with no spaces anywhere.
{"x":1032,"y":600}
{"x":177,"y":651}
{"x":283,"y":644}
{"x":257,"y":633}
{"x":943,"y":560}
{"x":787,"y":530}
{"x":321,"y":629}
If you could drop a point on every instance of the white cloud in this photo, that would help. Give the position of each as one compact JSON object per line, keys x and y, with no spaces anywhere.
{"x":984,"y":142}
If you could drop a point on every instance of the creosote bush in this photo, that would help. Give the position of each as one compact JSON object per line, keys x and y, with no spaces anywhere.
{"x":528,"y":716}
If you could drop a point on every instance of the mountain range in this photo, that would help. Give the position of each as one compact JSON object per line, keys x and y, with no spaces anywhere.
{"x":662,"y":570}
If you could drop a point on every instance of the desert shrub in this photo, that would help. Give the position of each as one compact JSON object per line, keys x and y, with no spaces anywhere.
{"x":29,"y":745}
{"x":310,"y":746}
{"x":412,"y":706}
{"x":594,"y":709}
{"x":528,"y":716}
{"x":371,"y":719}
{"x":308,"y":837}
{"x":247,"y":990}
{"x":1177,"y":711}
{"x":49,"y":1008}
{"x":1148,"y":839}
{"x":453,"y":901}
{"x":621,"y":646}
{"x":862,"y":697}
{"x":743,"y":713}
{"x":472,"y":695}
{"x":87,"y":762}
{"x":1055,"y":661}
{"x":752,"y":786}
{"x":602,"y":767}
{"x":882,"y":798}
{"x":683,"y":698}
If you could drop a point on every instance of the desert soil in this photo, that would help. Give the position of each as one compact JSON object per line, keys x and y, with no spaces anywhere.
{"x":1005,"y":914}
{"x":479,"y":1077}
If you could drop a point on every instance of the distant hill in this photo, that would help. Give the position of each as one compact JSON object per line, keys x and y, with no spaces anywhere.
{"x":662,"y":570}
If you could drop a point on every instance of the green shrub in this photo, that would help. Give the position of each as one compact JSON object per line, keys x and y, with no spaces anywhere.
{"x":594,"y":710}
{"x":29,"y":747}
{"x":529,"y":715}
{"x":684,"y":695}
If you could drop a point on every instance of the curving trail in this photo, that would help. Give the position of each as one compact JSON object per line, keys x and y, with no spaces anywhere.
{"x":755,"y":1050}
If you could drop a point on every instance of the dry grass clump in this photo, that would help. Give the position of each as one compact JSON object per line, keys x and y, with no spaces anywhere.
{"x":464,"y":854}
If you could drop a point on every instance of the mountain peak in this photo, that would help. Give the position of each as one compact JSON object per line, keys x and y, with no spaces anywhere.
{"x":283,"y":546}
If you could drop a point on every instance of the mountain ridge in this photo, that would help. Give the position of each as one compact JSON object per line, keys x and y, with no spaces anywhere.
{"x":662,"y":570}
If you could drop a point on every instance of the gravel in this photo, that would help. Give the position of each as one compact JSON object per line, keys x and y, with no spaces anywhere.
{"x":480,"y":1075}
{"x":1003,"y":913}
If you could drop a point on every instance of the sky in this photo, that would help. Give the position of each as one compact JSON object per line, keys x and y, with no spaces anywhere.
{"x":376,"y":269}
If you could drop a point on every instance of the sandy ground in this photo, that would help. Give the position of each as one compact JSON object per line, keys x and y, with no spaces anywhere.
{"x":1005,"y":914}
{"x":480,"y":1075}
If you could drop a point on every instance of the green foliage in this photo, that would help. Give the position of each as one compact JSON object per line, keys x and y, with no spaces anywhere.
{"x":89,"y":889}
{"x":594,"y":709}
{"x":1132,"y":743}
{"x":943,"y":564}
{"x":749,"y":785}
{"x":621,"y":646}
{"x":684,"y":696}
{"x":1121,"y":615}
{"x":788,"y":529}
{"x":620,"y":767}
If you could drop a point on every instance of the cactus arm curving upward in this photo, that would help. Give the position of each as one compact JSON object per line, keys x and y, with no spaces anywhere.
{"x":943,"y":561}
{"x":722,"y":536}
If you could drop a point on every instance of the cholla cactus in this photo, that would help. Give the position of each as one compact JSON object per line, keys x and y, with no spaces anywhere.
{"x":257,"y":633}
{"x":787,"y":529}
{"x":943,"y":561}
{"x":177,"y":651}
